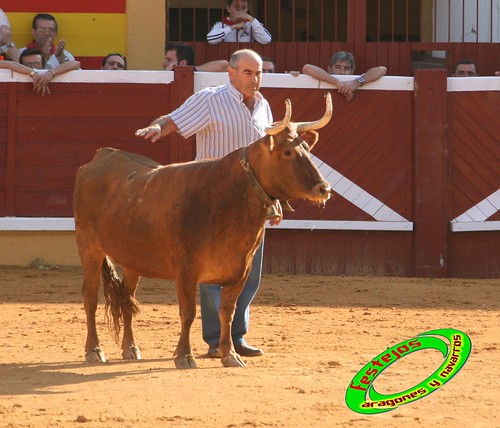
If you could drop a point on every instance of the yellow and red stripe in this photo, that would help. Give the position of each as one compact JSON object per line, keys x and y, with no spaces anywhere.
{"x":91,"y":28}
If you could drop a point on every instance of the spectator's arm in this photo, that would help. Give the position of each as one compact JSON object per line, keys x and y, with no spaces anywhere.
{"x":15,"y":66}
{"x":218,"y":33}
{"x":375,"y":73}
{"x":65,"y":67}
{"x":320,"y":74}
{"x":371,"y":75}
{"x":8,"y":44}
{"x":217,"y":66}
{"x":259,"y":33}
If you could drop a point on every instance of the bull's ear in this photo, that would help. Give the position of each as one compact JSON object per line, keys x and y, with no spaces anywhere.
{"x":310,"y":137}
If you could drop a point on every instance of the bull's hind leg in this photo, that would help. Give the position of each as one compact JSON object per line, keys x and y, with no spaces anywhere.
{"x":91,"y":282}
{"x":186,"y":294}
{"x":130,"y":351}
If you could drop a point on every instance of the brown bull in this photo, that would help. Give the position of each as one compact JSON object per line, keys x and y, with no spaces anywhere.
{"x":196,"y":222}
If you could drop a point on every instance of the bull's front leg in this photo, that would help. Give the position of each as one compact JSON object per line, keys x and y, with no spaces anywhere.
{"x":229,"y":297}
{"x":186,"y":293}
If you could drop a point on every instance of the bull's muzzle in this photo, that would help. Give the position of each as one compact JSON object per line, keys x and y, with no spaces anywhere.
{"x":323,"y":192}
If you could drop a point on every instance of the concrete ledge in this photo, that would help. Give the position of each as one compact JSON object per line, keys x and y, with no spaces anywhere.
{"x":49,"y":248}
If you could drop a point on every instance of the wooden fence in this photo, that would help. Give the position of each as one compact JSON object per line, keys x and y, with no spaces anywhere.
{"x":401,"y":59}
{"x":414,"y":163}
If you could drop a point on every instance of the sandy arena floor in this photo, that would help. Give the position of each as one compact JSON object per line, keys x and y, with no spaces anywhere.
{"x":317,"y":333}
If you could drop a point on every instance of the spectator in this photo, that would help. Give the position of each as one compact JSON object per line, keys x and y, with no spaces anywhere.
{"x":343,"y":63}
{"x":268,"y":65}
{"x":7,"y":46}
{"x":224,"y":118}
{"x":465,"y":68}
{"x":114,"y":61}
{"x":44,"y":31}
{"x":183,"y":54}
{"x":31,"y":62}
{"x":239,"y":26}
{"x":4,"y":21}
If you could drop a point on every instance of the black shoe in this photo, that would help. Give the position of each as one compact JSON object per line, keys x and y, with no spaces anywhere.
{"x":213,"y":351}
{"x":248,"y":351}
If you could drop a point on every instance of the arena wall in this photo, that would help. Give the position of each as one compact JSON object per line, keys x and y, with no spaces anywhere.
{"x":414,"y":163}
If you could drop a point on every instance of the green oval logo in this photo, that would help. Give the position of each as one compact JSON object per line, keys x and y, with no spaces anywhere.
{"x":362,"y":397}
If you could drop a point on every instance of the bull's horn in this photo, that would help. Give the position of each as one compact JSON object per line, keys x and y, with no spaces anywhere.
{"x":279,"y":126}
{"x":311,"y":126}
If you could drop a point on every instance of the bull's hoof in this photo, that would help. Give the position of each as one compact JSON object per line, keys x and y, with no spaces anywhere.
{"x":132,"y":353}
{"x":185,"y":362}
{"x":232,"y":360}
{"x":96,"y":355}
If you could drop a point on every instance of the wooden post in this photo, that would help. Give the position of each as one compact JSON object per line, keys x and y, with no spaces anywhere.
{"x":356,"y":21}
{"x":431,"y":196}
{"x":182,"y":150}
{"x":10,"y":176}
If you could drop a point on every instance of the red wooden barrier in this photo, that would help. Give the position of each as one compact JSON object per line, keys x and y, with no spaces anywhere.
{"x":424,"y":155}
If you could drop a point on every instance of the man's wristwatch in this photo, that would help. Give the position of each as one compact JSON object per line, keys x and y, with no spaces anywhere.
{"x":361,"y":79}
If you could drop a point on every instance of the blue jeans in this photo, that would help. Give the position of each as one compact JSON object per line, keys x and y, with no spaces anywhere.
{"x":210,"y":296}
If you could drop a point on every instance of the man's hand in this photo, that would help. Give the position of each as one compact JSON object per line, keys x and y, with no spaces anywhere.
{"x":275,"y":219}
{"x":347,"y":89}
{"x":170,"y":67}
{"x":41,"y":82}
{"x":152,"y":131}
{"x":238,"y":26}
{"x":6,"y":34}
{"x":244,"y":16}
{"x":60,"y":48}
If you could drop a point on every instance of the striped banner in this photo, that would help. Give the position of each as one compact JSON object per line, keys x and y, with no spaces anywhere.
{"x":91,"y":28}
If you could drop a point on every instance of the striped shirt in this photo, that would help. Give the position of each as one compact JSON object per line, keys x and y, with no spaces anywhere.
{"x":221,"y":121}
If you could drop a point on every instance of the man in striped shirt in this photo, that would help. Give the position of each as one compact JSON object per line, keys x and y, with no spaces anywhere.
{"x":224,"y":118}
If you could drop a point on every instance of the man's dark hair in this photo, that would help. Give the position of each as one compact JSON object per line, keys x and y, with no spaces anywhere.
{"x":229,"y":2}
{"x":31,"y":51}
{"x":114,"y":54}
{"x":46,"y":16}
{"x":184,"y":52}
{"x":342,"y":56}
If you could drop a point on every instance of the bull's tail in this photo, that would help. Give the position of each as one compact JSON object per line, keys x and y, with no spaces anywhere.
{"x":117,"y":300}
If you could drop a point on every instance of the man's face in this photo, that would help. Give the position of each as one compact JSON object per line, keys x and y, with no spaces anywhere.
{"x":33,"y":61}
{"x":114,"y":62}
{"x":170,"y":60}
{"x":465,"y":70}
{"x":235,"y":8}
{"x":341,"y":67}
{"x":247,"y":75}
{"x":267,"y":67}
{"x":44,"y":32}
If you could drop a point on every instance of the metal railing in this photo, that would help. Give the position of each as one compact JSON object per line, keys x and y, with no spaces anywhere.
{"x":474,"y":21}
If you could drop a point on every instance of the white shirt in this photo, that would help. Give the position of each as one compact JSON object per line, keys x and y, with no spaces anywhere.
{"x":221,"y":121}
{"x":254,"y":32}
